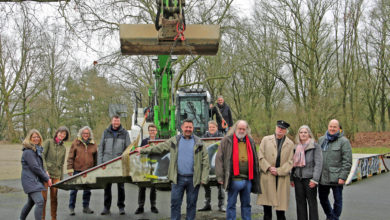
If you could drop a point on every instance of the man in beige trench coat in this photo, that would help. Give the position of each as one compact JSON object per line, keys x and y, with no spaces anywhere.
{"x":275,"y":160}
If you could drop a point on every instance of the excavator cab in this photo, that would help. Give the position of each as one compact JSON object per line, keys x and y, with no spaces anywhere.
{"x":193,"y":104}
{"x":169,"y":35}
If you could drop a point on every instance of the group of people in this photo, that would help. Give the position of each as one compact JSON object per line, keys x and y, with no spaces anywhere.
{"x":241,"y":169}
{"x":269,"y":171}
{"x":43,"y":165}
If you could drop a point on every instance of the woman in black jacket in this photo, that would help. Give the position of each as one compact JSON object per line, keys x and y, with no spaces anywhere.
{"x":33,"y":174}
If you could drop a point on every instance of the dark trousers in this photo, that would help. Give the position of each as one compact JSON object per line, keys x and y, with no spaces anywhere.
{"x":108,"y":196}
{"x":184,"y":183}
{"x":141,"y":196}
{"x":207,"y":197}
{"x":33,"y":198}
{"x":280,"y":215}
{"x":323,"y":193}
{"x":73,"y":196}
{"x":305,"y":196}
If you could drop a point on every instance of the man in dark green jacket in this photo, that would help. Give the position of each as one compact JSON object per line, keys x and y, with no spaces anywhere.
{"x":188,"y":168}
{"x":337,"y":161}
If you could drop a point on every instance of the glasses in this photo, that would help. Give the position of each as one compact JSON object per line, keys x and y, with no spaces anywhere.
{"x":152,"y":130}
{"x":85,"y":133}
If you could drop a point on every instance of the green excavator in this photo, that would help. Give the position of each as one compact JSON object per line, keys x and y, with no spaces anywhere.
{"x":170,"y":35}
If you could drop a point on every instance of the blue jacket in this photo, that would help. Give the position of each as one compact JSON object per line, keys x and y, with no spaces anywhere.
{"x":33,"y":174}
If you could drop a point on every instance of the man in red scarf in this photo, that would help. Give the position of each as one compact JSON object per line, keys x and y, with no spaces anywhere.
{"x":237,"y":168}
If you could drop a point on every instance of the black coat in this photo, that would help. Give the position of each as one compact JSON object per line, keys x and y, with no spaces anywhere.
{"x":226,"y":114}
{"x":216,"y":134}
{"x":33,"y":174}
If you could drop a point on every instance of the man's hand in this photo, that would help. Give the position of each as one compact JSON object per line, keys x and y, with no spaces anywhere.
{"x":341,"y":182}
{"x":49,"y":183}
{"x":273,"y":171}
{"x":211,"y":106}
{"x":220,"y":182}
{"x":70,"y":174}
{"x":292,"y":184}
{"x":312,"y":184}
{"x":138,"y":150}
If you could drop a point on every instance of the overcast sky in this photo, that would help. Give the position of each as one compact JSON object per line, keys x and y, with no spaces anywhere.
{"x":245,"y":5}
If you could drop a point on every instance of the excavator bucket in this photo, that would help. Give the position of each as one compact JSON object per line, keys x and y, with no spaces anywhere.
{"x":143,"y":39}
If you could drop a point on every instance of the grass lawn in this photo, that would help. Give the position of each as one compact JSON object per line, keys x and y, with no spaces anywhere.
{"x":370,"y":150}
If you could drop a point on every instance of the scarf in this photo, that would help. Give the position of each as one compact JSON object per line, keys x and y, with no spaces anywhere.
{"x":330,"y":138}
{"x":299,"y":155}
{"x":236,"y":166}
{"x":58,"y":141}
{"x":39,"y":150}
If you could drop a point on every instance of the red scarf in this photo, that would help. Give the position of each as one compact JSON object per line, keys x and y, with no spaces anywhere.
{"x":236,"y":166}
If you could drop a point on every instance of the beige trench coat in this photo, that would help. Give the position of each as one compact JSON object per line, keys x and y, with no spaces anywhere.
{"x":267,"y":157}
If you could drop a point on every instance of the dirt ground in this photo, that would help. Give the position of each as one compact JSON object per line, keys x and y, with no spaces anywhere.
{"x":372,"y":139}
{"x":10,"y":155}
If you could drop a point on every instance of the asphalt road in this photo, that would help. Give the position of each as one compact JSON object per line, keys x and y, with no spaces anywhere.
{"x":366,"y":199}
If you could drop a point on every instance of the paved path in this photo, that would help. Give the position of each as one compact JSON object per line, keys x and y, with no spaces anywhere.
{"x":367,"y":199}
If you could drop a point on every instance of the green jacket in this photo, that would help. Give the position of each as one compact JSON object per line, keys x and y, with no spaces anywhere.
{"x":337,"y":161}
{"x":201,"y":159}
{"x":54,"y":158}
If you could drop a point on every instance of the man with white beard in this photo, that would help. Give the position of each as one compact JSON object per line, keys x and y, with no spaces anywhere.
{"x":237,"y":169}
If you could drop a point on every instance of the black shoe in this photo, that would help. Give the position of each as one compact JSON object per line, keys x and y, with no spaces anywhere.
{"x":105,"y":212}
{"x":87,"y":210}
{"x":71,"y":212}
{"x":221,"y":209}
{"x":205,"y":208}
{"x":122,"y":211}
{"x":139,"y":210}
{"x":154,"y":209}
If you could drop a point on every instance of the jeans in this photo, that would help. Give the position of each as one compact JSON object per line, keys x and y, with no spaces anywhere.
{"x":280,"y":215}
{"x":184,"y":183}
{"x":73,"y":195}
{"x":242,"y":187}
{"x":305,"y":196}
{"x":53,"y":199}
{"x":323,"y":194}
{"x":108,"y":196}
{"x":33,"y":198}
